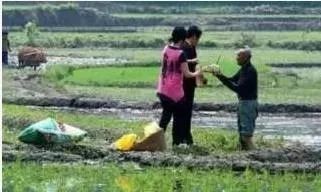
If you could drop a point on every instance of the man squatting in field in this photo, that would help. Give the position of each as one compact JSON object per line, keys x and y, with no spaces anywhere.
{"x":244,"y":83}
{"x":189,"y":47}
{"x":170,"y":85}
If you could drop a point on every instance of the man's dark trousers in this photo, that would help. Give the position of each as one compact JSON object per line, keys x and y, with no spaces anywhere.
{"x":189,"y":91}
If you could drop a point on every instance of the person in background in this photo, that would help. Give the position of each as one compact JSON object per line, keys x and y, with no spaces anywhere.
{"x":244,"y":83}
{"x":5,"y":47}
{"x":189,"y":84}
{"x":170,"y":85}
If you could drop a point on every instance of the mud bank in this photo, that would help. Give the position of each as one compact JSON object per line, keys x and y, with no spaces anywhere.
{"x":95,"y":103}
{"x":294,"y":65}
{"x":289,"y":159}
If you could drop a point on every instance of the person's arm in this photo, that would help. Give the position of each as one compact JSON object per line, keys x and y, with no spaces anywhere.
{"x":192,"y":53}
{"x":9,"y":49}
{"x":238,"y":86}
{"x":235,"y":77}
{"x":187,"y":73}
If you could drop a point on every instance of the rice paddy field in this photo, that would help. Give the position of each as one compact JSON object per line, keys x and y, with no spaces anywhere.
{"x":102,"y":77}
{"x":155,"y":37}
{"x":127,"y":177}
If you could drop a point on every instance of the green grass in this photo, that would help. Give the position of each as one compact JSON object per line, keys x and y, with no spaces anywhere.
{"x":126,"y":177}
{"x":122,"y":76}
{"x":307,"y":90}
{"x":214,"y":139}
{"x":25,"y":115}
{"x":114,"y":76}
{"x":148,"y":77}
{"x":207,"y":56}
{"x":152,"y":38}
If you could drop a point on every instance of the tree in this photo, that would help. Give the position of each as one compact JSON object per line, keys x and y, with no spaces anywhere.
{"x":32,"y":32}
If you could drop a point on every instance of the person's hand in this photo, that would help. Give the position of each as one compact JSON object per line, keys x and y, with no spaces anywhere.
{"x":198,"y":72}
{"x":199,"y":68}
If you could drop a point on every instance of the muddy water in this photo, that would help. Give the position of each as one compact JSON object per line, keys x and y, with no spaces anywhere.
{"x":54,"y":60}
{"x":293,"y":127}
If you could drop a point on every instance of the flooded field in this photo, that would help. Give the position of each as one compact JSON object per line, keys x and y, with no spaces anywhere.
{"x":294,"y":127}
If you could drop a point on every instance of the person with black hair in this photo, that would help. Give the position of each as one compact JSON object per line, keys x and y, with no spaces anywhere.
{"x":170,"y":85}
{"x":189,"y":47}
{"x":5,"y":47}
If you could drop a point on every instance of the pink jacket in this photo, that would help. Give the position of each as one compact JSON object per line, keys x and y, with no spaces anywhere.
{"x":170,"y":81}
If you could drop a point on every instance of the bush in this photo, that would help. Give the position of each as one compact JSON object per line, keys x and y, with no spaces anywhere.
{"x":300,"y":45}
{"x":245,"y":39}
{"x":32,"y":32}
{"x":57,"y":73}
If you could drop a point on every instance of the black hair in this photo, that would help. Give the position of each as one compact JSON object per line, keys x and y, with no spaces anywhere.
{"x":194,"y":30}
{"x":178,"y":34}
{"x":5,"y":32}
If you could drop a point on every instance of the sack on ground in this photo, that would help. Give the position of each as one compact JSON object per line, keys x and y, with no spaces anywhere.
{"x":49,"y":131}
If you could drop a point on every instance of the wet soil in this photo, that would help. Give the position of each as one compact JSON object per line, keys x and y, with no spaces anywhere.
{"x":294,"y":65}
{"x":28,"y":89}
{"x":294,"y":159}
{"x":90,"y":103}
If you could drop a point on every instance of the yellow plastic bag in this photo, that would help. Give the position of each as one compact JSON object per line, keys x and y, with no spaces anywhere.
{"x":126,"y":142}
{"x":154,"y":139}
{"x":151,"y":129}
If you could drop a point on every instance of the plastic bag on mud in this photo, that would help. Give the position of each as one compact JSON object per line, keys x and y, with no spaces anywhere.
{"x":126,"y":142}
{"x":153,"y":140}
{"x":49,"y":131}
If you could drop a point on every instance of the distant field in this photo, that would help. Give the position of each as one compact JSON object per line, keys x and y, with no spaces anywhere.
{"x":215,"y":15}
{"x":32,"y":5}
{"x":124,"y":76}
{"x":207,"y":56}
{"x":158,"y":36}
{"x":18,"y":7}
{"x":93,"y":81}
{"x":114,"y":76}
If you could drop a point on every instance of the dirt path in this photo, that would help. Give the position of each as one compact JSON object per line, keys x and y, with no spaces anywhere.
{"x":288,"y":159}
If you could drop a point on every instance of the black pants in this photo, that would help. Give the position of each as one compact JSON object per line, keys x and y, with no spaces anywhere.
{"x":5,"y":57}
{"x":189,"y":101}
{"x":178,"y":111}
